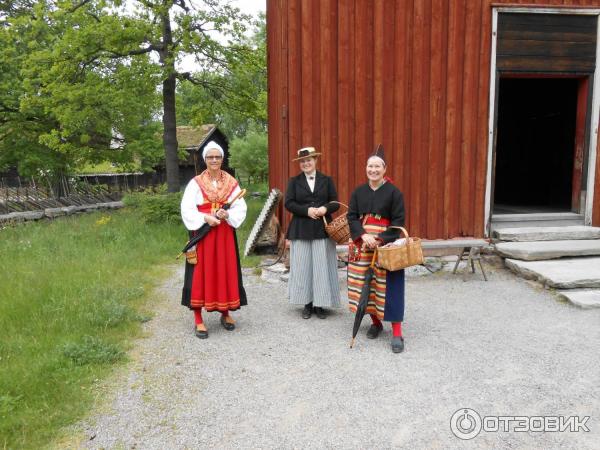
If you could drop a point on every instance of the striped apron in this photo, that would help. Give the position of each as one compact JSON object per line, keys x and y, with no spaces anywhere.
{"x":386,"y":296}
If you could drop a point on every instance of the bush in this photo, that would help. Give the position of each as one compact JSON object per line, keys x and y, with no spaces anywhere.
{"x":156,"y":207}
{"x":249,"y":155}
{"x":133,"y":199}
{"x":162,"y":208}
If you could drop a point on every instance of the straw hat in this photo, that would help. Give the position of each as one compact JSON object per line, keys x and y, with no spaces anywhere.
{"x":306,"y":152}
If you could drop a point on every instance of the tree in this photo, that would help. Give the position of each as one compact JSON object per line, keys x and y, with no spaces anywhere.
{"x":249,"y":154}
{"x":174,"y":28}
{"x":104,"y":59}
{"x":59,"y":110}
{"x":239,"y":107}
{"x":19,"y":130}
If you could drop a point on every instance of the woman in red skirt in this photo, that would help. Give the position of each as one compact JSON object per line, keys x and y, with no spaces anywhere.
{"x":215,"y":281}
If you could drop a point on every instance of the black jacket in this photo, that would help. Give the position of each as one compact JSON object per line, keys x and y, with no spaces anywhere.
{"x":298,"y":198}
{"x":387,"y":202}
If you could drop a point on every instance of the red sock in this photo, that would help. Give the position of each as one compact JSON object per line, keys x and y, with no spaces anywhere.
{"x":397,"y":329}
{"x":198,"y":316}
{"x":224,"y":313}
{"x":375,"y":320}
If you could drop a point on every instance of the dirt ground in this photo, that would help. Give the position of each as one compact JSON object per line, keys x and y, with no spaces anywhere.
{"x":507,"y":351}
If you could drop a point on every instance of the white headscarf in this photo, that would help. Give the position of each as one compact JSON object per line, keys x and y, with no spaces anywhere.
{"x":212,"y":145}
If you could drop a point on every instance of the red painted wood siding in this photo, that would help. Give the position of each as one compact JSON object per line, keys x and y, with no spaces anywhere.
{"x":345,"y":75}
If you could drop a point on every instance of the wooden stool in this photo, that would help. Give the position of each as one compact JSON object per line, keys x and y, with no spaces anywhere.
{"x":472,"y":254}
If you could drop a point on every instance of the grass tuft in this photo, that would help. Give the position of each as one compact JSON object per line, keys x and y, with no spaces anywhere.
{"x":92,"y":350}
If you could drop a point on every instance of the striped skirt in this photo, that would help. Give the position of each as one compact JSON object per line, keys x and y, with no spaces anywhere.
{"x":386,"y":292}
{"x":313,"y":273}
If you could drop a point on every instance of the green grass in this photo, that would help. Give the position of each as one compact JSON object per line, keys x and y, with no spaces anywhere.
{"x":73,"y":294}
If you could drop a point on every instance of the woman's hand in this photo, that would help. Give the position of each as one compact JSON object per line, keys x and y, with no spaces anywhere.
{"x":312,"y":213}
{"x":321,"y":211}
{"x":212,"y":220}
{"x":369,"y":241}
{"x":222,"y":214}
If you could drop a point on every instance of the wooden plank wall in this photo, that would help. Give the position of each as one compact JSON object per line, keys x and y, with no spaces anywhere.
{"x":345,"y":75}
{"x":277,"y":85}
{"x":546,"y":42}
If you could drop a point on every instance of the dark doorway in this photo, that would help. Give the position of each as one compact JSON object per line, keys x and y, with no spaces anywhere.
{"x":535,"y":145}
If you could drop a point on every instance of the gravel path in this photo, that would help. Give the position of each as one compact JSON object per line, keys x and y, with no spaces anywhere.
{"x":502,"y":348}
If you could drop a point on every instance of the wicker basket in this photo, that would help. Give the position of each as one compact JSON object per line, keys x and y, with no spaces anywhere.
{"x":338,"y":228}
{"x":398,"y":257}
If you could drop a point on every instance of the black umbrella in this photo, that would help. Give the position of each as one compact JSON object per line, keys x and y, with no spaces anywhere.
{"x":364,"y":298}
{"x":201,"y":232}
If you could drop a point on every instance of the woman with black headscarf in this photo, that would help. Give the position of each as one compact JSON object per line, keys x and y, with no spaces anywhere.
{"x":374,"y":206}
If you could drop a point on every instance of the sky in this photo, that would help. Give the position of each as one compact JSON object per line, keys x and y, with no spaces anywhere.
{"x":252,"y":7}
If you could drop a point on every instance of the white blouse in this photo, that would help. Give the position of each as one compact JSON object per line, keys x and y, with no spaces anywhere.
{"x":194,"y":219}
{"x":310,"y":179}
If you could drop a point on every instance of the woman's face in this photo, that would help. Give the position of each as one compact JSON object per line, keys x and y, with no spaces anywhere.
{"x":375,"y":170}
{"x":213,"y":159}
{"x":307,"y":165}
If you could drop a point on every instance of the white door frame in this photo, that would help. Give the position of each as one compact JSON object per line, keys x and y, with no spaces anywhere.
{"x":593,"y":124}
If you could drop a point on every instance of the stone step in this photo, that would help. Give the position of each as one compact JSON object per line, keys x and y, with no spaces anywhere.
{"x":537,"y":251}
{"x":528,"y":234}
{"x":567,"y":273}
{"x":584,"y":298}
{"x":274,"y":273}
{"x":536,"y":220}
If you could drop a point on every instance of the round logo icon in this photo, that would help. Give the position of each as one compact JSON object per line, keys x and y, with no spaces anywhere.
{"x":465,"y":423}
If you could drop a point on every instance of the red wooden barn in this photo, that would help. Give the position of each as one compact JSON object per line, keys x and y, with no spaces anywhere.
{"x":488,"y":110}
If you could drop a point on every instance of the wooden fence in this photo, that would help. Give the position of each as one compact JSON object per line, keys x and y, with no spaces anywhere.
{"x":28,"y":194}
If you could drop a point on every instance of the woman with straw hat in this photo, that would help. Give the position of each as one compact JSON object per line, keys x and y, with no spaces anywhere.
{"x":313,"y":280}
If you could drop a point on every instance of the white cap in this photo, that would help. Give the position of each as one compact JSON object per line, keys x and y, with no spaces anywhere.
{"x":210,"y":146}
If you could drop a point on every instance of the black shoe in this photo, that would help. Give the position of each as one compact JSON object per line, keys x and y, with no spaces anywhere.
{"x":320,"y":312}
{"x":397,"y":344}
{"x":228,"y":326}
{"x":374,"y":331}
{"x":200,"y":334}
{"x":307,"y":311}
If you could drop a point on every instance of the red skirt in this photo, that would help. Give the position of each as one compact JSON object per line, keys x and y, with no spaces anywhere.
{"x":214,"y":281}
